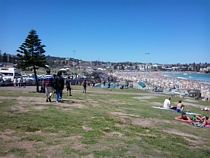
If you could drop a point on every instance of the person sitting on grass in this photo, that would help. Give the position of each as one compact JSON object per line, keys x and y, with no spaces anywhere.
{"x":167,"y":103}
{"x":183,"y":118}
{"x":179,"y":106}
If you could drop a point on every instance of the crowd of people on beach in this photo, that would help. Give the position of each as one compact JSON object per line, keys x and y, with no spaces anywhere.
{"x":55,"y":84}
{"x":157,"y":79}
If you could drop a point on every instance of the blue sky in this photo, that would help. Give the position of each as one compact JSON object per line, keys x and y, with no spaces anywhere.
{"x":158,"y":31}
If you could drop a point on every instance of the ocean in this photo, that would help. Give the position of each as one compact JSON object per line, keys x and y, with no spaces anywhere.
{"x":201,"y":77}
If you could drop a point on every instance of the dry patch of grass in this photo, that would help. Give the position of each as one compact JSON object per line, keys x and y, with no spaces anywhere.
{"x":39,"y":143}
{"x":26,"y":104}
{"x":194,"y":141}
{"x":135,"y":120}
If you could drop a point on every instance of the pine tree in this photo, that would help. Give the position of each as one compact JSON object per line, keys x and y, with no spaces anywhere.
{"x":31,"y":55}
{"x":1,"y":57}
{"x":5,"y":57}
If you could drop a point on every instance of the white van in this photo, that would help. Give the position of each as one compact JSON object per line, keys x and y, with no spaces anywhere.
{"x":9,"y":73}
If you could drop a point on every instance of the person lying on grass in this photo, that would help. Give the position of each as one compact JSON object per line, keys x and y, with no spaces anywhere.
{"x":183,"y":118}
{"x":202,"y":120}
{"x":206,"y":121}
{"x":197,"y":118}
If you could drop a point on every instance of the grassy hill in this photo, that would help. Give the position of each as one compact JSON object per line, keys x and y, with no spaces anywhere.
{"x":101,"y":123}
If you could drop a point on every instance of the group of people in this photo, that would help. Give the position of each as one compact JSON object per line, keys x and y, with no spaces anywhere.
{"x":195,"y":119}
{"x":163,"y":81}
{"x":167,"y":104}
{"x":198,"y":120}
{"x":19,"y":82}
{"x":55,"y":84}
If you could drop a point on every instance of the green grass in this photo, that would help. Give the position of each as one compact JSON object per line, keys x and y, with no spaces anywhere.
{"x":18,"y":152}
{"x":61,"y":132}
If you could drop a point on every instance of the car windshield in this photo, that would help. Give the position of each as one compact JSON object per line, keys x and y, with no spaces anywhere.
{"x":7,"y":74}
{"x":17,"y":74}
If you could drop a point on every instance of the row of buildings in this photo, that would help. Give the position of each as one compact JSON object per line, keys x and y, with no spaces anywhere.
{"x":76,"y":64}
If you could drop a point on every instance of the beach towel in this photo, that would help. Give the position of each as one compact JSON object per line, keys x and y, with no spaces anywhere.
{"x":191,"y":113}
{"x":198,"y":124}
{"x":162,"y":108}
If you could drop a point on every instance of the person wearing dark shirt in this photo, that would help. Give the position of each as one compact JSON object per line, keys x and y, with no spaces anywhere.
{"x":59,"y":86}
{"x":84,"y":86}
{"x":68,"y":86}
{"x":109,"y":85}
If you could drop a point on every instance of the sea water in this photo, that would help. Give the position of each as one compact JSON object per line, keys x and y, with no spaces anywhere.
{"x":201,"y":77}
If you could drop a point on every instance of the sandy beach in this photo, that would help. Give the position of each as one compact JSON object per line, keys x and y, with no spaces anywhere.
{"x":157,"y":79}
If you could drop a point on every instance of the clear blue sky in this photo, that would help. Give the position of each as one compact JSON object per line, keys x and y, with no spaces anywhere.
{"x":158,"y":31}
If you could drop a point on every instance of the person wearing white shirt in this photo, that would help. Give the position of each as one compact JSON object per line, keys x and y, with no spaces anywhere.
{"x":19,"y":82}
{"x":167,"y":103}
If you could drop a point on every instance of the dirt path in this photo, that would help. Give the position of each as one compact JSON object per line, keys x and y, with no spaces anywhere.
{"x":27,"y":88}
{"x":25,"y":104}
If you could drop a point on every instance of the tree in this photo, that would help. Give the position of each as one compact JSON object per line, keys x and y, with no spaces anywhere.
{"x":5,"y":57}
{"x":31,"y":55}
{"x":1,"y":57}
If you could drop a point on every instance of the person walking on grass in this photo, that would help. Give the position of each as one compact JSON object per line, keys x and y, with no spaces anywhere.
{"x":59,"y":86}
{"x":68,"y":86}
{"x":19,"y":82}
{"x":84,"y":86}
{"x":48,"y":84}
{"x":15,"y":82}
{"x":24,"y":82}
